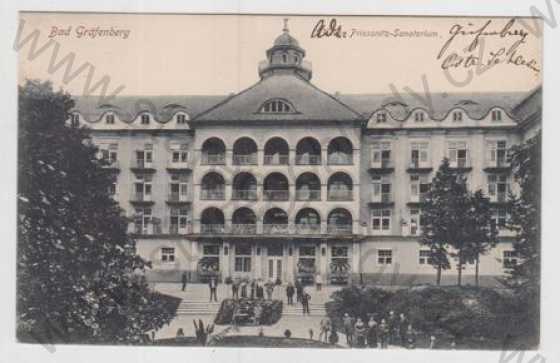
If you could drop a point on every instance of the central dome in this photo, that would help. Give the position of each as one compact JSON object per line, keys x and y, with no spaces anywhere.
{"x":286,"y":39}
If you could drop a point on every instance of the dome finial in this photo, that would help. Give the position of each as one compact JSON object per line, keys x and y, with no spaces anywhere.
{"x":285,"y":29}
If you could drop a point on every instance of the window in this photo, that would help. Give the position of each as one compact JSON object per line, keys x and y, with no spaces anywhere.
{"x":211,"y":250}
{"x":145,"y":119}
{"x":181,"y":119}
{"x":381,"y":219}
{"x":179,"y":153}
{"x":415,"y":221}
{"x":143,"y":188}
{"x":424,"y":257}
{"x":144,"y":158}
{"x":142,"y":220}
{"x":381,"y":188}
{"x":75,"y":120}
{"x":168,"y":255}
{"x":109,"y":153}
{"x":306,"y":260}
{"x":496,"y":115}
{"x":419,"y":154}
{"x":457,"y":116}
{"x":384,"y":257}
{"x":499,"y":217}
{"x":178,"y":188}
{"x":110,"y":119}
{"x":457,"y":154}
{"x":381,"y":153}
{"x":277,"y":106}
{"x":498,"y":187}
{"x":113,"y":189}
{"x":178,"y":220}
{"x":339,"y":259}
{"x":419,"y":116}
{"x":419,"y":187}
{"x":381,"y":117}
{"x":242,"y":258}
{"x":510,"y":259}
{"x":497,"y":152}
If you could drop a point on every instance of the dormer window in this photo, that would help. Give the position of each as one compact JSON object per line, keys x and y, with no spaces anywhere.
{"x":277,"y":106}
{"x":381,"y":117}
{"x":145,"y":119}
{"x":496,"y":115}
{"x":419,"y":116}
{"x":457,"y":116}
{"x":75,"y":120}
{"x":110,"y":119}
{"x":181,"y":119}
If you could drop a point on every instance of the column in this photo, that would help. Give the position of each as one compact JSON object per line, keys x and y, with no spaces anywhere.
{"x":356,"y":256}
{"x":323,"y":259}
{"x":225,"y":259}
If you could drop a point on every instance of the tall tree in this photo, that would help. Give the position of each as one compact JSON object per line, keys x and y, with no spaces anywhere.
{"x":482,"y":233}
{"x":79,"y":278}
{"x":443,"y":216}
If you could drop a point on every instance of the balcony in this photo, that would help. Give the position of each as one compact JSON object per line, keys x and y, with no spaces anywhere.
{"x":212,"y":228}
{"x":176,"y":229}
{"x":111,"y":164}
{"x":275,"y":228}
{"x":276,"y":195}
{"x":178,"y":198}
{"x":143,"y":166}
{"x":461,"y":165}
{"x":308,"y":228}
{"x":417,"y":166}
{"x":382,"y":166}
{"x":213,"y":159}
{"x":339,"y":229}
{"x":382,"y":199}
{"x":243,"y":229}
{"x":417,"y":199}
{"x":243,"y":194}
{"x":212,"y":194}
{"x":146,"y":229}
{"x":499,"y":165}
{"x":250,"y":159}
{"x":340,"y":159}
{"x":276,"y":160}
{"x":339,"y":195}
{"x":177,"y":166}
{"x":308,"y":159}
{"x":141,"y":198}
{"x":308,"y":195}
{"x":500,"y":197}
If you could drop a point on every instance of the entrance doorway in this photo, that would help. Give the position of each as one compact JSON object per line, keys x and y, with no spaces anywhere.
{"x":274,"y":268}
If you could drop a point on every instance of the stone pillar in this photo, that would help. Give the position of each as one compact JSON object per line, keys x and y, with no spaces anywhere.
{"x":290,"y":261}
{"x":225,"y":265}
{"x":356,"y":268}
{"x":323,"y":259}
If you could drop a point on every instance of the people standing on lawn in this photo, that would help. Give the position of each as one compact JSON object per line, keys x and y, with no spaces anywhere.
{"x":244,"y":288}
{"x":305,"y":302}
{"x":183,"y":281}
{"x":299,"y":290}
{"x":324,"y":327}
{"x":372,"y":332}
{"x":235,"y":289}
{"x":318,"y":282}
{"x":290,"y":293}
{"x":383,"y":334}
{"x":393,"y":325}
{"x":360,"y":333}
{"x":403,"y":326}
{"x":348,"y":324}
{"x":410,"y":337}
{"x":213,"y":285}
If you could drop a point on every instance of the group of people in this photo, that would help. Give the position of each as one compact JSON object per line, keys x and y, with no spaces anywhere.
{"x":301,"y":295}
{"x":390,"y":330}
{"x":254,"y":289}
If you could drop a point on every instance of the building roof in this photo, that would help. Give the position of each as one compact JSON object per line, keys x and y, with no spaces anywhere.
{"x":530,"y":108}
{"x":310,"y":103}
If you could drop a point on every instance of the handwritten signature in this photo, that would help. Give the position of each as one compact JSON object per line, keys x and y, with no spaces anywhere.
{"x":509,"y":54}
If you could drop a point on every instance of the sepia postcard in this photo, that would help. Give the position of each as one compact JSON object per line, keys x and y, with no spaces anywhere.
{"x":286,"y":181}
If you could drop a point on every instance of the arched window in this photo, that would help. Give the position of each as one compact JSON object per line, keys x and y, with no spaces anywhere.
{"x":244,"y":187}
{"x":212,"y":221}
{"x":275,"y":221}
{"x":276,"y":187}
{"x":308,"y":152}
{"x":213,"y":152}
{"x":244,"y":152}
{"x":213,"y":187}
{"x":340,"y":151}
{"x":277,"y":106}
{"x":308,"y":221}
{"x":339,"y":221}
{"x":340,"y":187}
{"x":244,"y":221}
{"x":276,"y":152}
{"x":308,"y":187}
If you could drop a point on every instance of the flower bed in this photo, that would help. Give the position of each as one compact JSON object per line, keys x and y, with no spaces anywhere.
{"x":246,"y":312}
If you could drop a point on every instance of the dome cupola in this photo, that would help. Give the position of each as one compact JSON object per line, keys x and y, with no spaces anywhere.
{"x":285,"y":57}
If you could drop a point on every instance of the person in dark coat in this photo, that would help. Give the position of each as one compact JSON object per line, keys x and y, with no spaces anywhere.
{"x":290,"y":293}
{"x":305,"y":297}
{"x":213,"y":285}
{"x":403,"y":326}
{"x":410,"y":337}
{"x":184,"y":281}
{"x":372,"y":333}
{"x":393,"y":325}
{"x":299,"y":290}
{"x":383,"y":334}
{"x":360,"y":331}
{"x":235,"y":289}
{"x":348,"y":324}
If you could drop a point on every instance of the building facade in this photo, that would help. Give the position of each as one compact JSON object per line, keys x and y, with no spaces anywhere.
{"x":284,"y":181}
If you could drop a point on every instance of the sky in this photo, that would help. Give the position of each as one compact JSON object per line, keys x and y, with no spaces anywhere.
{"x":174,"y":54}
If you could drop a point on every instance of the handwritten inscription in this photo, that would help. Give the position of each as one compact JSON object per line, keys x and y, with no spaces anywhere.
{"x":330,"y":29}
{"x":476,"y":54}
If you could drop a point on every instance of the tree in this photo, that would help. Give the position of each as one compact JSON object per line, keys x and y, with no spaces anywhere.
{"x":482,"y":232}
{"x":78,"y":276}
{"x":443,"y":217}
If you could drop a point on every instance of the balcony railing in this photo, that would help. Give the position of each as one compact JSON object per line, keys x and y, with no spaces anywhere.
{"x":418,"y":198}
{"x":460,"y":163}
{"x":176,"y":229}
{"x":140,"y":197}
{"x":213,"y":159}
{"x":276,"y":160}
{"x":178,"y":197}
{"x":244,"y":194}
{"x":275,"y":228}
{"x":498,"y":163}
{"x":250,"y":159}
{"x":308,"y":159}
{"x":111,"y":164}
{"x":276,"y":194}
{"x":382,"y":198}
{"x":382,"y":164}
{"x":339,"y":229}
{"x":308,"y":228}
{"x":177,"y":164}
{"x":340,"y":195}
{"x":212,"y":194}
{"x":417,"y":164}
{"x":147,"y":229}
{"x":340,"y":159}
{"x":309,"y":194}
{"x":212,"y":228}
{"x":244,"y":229}
{"x":499,"y":197}
{"x":142,"y":164}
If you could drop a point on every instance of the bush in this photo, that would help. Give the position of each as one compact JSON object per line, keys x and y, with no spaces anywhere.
{"x":271,"y":310}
